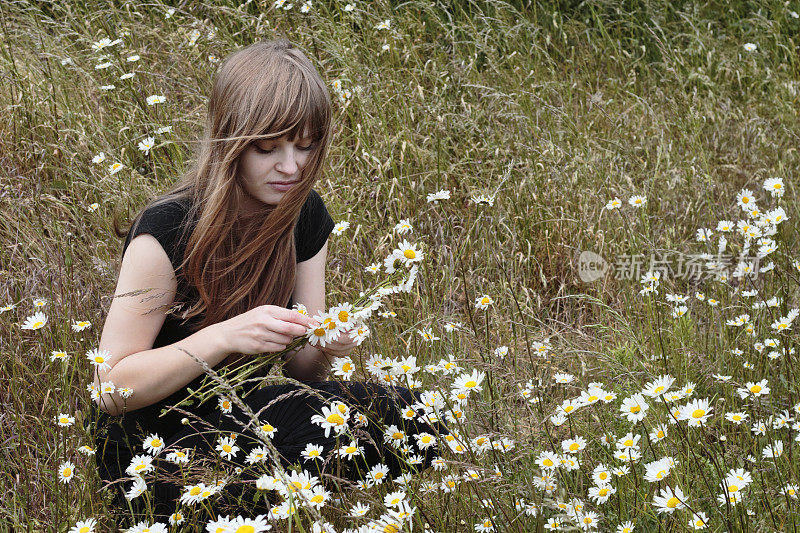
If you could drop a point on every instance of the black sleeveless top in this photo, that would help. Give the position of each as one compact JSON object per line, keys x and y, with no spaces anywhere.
{"x":170,"y":225}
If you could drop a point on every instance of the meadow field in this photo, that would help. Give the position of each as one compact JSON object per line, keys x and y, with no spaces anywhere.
{"x":594,"y":204}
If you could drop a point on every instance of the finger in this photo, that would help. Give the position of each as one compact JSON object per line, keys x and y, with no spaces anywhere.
{"x":290,"y":315}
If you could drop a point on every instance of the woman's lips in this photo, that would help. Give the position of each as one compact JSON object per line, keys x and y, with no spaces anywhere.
{"x":283,"y":186}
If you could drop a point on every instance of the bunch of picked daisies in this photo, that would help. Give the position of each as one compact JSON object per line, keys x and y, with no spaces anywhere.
{"x":401,"y":265}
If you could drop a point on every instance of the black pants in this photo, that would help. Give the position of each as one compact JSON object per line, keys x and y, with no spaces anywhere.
{"x":289,"y":409}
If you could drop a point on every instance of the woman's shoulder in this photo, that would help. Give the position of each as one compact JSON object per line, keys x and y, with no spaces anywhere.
{"x":164,"y":219}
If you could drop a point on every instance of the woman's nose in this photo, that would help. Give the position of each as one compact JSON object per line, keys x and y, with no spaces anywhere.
{"x":288,"y":162}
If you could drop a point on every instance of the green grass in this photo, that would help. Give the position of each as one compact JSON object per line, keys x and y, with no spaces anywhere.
{"x":554,"y":107}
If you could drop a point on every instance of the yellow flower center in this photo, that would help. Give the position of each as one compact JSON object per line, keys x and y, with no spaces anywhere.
{"x":335,"y":418}
{"x":593,"y":398}
{"x":409,"y":254}
{"x":397,"y":435}
{"x":660,"y":434}
{"x":733,"y":488}
{"x":63,"y":420}
{"x":344,"y":316}
{"x":319,"y":332}
{"x":347,"y":367}
{"x":673,"y":502}
{"x":658,"y":389}
{"x":391,"y":528}
{"x":574,"y":446}
{"x":603,"y":475}
{"x":140,"y":467}
{"x":471,"y":383}
{"x":67,"y":472}
{"x":155,"y":443}
{"x":267,"y":428}
{"x":755,"y":389}
{"x":603,"y":492}
{"x":635,"y":409}
{"x":378,"y":475}
{"x":195,"y":491}
{"x":350,"y":449}
{"x":84,"y":529}
{"x":698,"y":413}
{"x":318,"y":498}
{"x":628,"y":442}
{"x":38,"y":324}
{"x":227,"y":448}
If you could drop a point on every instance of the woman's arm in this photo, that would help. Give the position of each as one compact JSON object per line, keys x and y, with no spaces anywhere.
{"x":132,"y":324}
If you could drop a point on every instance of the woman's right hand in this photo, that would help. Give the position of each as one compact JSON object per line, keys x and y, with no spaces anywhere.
{"x":264,"y":329}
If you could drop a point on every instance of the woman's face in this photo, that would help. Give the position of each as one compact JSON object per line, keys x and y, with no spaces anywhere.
{"x":270,"y":168}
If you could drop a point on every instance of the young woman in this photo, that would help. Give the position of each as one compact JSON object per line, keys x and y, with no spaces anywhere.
{"x":213,"y":267}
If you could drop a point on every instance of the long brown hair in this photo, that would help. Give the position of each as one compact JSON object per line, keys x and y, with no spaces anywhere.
{"x":235,"y":260}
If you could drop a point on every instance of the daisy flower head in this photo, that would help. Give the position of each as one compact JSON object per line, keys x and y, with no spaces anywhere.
{"x":193,"y":494}
{"x":312,"y":452}
{"x":469,"y":382}
{"x":483,"y":199}
{"x":59,"y":355}
{"x":343,"y":367}
{"x":268,"y":430}
{"x":745,"y":199}
{"x":359,"y":509}
{"x":699,"y":520}
{"x":374,"y":268}
{"x":224,"y":404}
{"x":750,"y":47}
{"x":756,"y":389}
{"x":99,"y":158}
{"x":306,"y":7}
{"x":87,"y":450}
{"x":80,"y":325}
{"x":115,"y":167}
{"x":146,"y":144}
{"x":634,"y":408}
{"x":384,"y":25}
{"x":84,"y":526}
{"x":156,"y":99}
{"x":427,"y":334}
{"x":139,"y":465}
{"x":35,"y":321}
{"x":408,"y":253}
{"x":774,"y":186}
{"x":340,"y":227}
{"x":483,"y":302}
{"x":434,"y":197}
{"x":227,"y":448}
{"x":64,"y":420}
{"x":66,"y":471}
{"x":250,"y":525}
{"x":99,"y":358}
{"x":176,"y":519}
{"x":703,"y":234}
{"x":659,"y":386}
{"x":334,"y":417}
{"x":378,"y":474}
{"x":614,"y":203}
{"x":153,"y":444}
{"x":178,"y":457}
{"x":637,"y":201}
{"x":696,"y":412}
{"x":625,"y":527}
{"x":404,"y":226}
{"x":351,"y":450}
{"x":668,"y":500}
